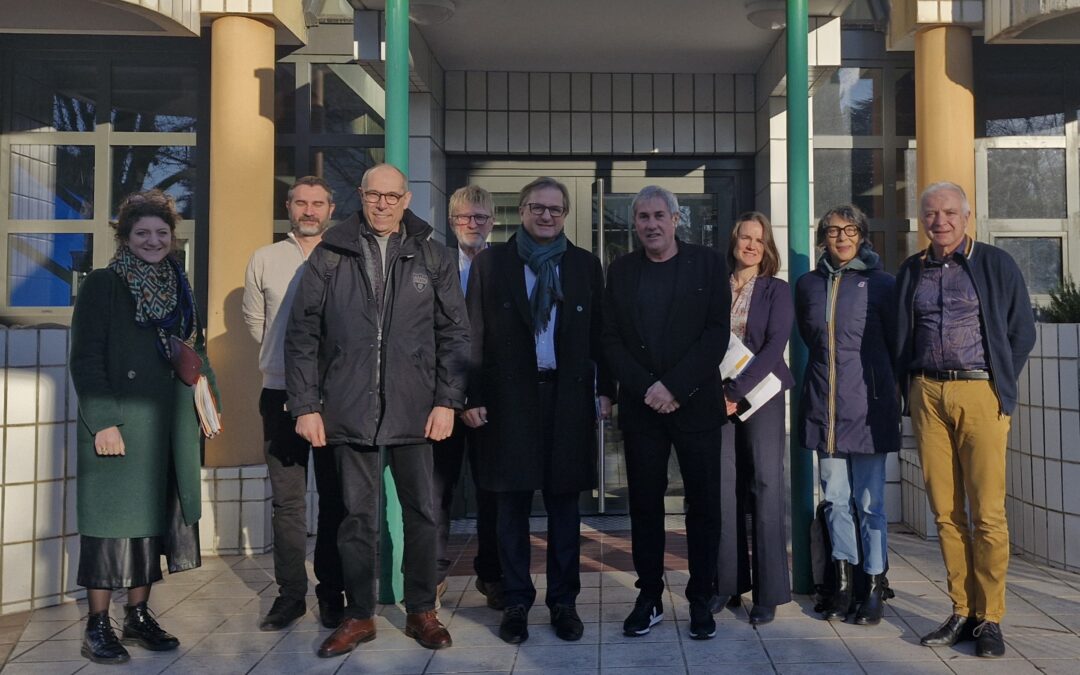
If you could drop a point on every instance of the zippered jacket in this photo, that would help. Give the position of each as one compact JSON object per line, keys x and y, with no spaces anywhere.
{"x":850,"y":402}
{"x":375,"y":382}
{"x":1008,"y":324}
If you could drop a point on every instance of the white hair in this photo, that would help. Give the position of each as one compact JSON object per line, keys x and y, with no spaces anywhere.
{"x":939,"y":186}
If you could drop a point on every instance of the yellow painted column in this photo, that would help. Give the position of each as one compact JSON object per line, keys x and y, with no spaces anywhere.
{"x":241,"y":220}
{"x":945,"y":110}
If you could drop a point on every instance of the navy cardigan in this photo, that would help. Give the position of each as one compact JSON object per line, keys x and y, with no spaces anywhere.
{"x":768,"y":328}
{"x":1008,"y":324}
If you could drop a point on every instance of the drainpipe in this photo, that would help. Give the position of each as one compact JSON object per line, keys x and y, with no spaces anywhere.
{"x":798,"y":186}
{"x":391,"y":581}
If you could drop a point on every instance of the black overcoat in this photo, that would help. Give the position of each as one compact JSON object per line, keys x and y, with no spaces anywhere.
{"x":504,"y":375}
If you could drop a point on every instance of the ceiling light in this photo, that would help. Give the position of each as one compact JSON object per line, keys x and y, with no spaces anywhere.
{"x":430,"y":12}
{"x":767,"y":14}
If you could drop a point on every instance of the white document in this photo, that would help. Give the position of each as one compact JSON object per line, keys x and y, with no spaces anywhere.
{"x":206,"y":407}
{"x":758,"y":396}
{"x":735,"y":360}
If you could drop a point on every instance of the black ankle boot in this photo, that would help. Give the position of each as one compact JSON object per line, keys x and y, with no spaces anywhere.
{"x":873,"y":605}
{"x":140,"y":628}
{"x":99,"y":641}
{"x":840,"y":605}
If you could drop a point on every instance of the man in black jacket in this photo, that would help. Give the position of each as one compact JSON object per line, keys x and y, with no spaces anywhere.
{"x":964,"y":331}
{"x":375,"y":355}
{"x":666,"y":328}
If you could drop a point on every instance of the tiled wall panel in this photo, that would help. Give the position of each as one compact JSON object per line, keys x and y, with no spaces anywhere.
{"x":631,"y":114}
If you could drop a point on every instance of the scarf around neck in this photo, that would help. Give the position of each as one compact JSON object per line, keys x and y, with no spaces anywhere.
{"x":163,"y":298}
{"x":543,"y":260}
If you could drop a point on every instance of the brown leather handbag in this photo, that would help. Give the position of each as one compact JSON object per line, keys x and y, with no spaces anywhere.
{"x":185,"y":361}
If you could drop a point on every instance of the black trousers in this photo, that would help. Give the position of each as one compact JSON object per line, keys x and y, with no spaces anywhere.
{"x":647,"y":480}
{"x":449,"y":455}
{"x":564,"y":531}
{"x":287,"y":462}
{"x":360,"y":471}
{"x":760,"y":496}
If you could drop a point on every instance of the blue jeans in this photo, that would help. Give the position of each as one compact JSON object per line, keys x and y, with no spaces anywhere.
{"x":853,"y":482}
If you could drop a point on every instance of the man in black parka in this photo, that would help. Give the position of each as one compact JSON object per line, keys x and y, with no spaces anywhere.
{"x":375,"y":356}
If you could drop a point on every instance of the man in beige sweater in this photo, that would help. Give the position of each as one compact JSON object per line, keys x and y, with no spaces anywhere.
{"x":273,"y":275}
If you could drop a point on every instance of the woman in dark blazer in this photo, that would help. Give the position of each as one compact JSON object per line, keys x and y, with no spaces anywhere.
{"x":138,"y":435}
{"x":850,"y":414}
{"x":762,"y":314}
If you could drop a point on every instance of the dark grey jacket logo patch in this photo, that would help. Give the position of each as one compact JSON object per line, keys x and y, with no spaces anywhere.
{"x":420,"y":281}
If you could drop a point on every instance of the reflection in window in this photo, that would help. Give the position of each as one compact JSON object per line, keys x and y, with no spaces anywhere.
{"x":849,"y":103}
{"x":154,"y":98}
{"x":53,"y":96}
{"x":848,"y":176}
{"x":506,"y":216}
{"x":285,"y":98}
{"x":343,"y":168}
{"x":52,"y":182}
{"x":143,"y":167}
{"x":337,"y":106}
{"x":1026,"y":182}
{"x":1021,"y":103}
{"x":906,"y":193}
{"x":45,"y":269}
{"x":904,"y":102}
{"x":1039,"y":259}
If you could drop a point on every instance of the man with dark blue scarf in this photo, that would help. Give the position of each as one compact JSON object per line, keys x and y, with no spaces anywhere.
{"x":534,"y":305}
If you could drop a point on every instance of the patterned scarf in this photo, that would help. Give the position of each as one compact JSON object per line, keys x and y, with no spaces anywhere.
{"x":162,"y":295}
{"x":542,"y":259}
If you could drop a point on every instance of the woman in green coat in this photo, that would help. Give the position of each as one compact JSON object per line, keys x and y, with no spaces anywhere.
{"x":138,"y":432}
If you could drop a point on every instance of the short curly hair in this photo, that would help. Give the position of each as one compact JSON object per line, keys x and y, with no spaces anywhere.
{"x":144,"y":204}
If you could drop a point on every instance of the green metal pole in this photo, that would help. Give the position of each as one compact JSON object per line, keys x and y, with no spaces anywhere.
{"x":798,"y":186}
{"x":391,"y":581}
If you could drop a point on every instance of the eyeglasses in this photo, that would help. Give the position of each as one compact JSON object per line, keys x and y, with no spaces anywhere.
{"x":480,"y":219}
{"x":538,"y":210}
{"x":833,"y":231}
{"x":373,"y":197}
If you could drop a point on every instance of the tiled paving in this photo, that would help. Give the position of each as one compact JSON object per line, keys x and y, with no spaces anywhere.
{"x":215,"y":611}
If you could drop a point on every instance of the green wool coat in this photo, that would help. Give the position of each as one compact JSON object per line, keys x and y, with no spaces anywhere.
{"x":122,"y":380}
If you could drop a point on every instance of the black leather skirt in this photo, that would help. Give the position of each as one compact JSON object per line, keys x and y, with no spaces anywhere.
{"x":114,"y":563}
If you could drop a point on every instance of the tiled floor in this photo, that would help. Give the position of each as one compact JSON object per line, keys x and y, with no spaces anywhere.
{"x":215,"y":612}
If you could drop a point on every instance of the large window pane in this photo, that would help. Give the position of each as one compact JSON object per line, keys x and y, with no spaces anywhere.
{"x":904,"y":102}
{"x":52,"y":182}
{"x":285,"y":98}
{"x":337,"y":106}
{"x":843,"y":176}
{"x":44,"y":269}
{"x":1026,"y":182}
{"x":154,"y":98}
{"x":284,"y":176}
{"x":53,"y":96}
{"x":1039,"y":259}
{"x":343,"y":168}
{"x":167,"y":168}
{"x":849,"y":103}
{"x":1021,"y":103}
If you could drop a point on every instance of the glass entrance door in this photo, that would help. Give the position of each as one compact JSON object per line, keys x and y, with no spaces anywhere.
{"x":710,"y":195}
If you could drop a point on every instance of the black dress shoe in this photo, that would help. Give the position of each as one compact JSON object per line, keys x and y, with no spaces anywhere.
{"x":989,"y":643}
{"x":567,"y":623}
{"x":760,"y":614}
{"x":331,"y":613}
{"x":955,"y":629}
{"x":716,"y":603}
{"x":99,"y":641}
{"x":282,"y":613}
{"x":514,"y":628}
{"x":140,"y":628}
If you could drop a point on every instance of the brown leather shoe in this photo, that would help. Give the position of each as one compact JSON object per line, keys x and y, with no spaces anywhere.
{"x":426,"y":629}
{"x":349,"y":634}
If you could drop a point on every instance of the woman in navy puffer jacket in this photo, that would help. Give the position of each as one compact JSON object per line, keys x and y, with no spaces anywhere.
{"x":850,"y":413}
